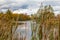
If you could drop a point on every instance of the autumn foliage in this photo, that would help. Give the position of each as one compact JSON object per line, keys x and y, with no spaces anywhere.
{"x":7,"y":21}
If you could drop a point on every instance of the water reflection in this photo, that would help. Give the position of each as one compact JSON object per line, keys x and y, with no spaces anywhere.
{"x":23,"y":31}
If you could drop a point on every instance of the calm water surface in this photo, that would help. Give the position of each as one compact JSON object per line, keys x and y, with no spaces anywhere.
{"x":24,"y":30}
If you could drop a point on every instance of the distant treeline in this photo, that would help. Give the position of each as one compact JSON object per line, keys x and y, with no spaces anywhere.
{"x":9,"y":15}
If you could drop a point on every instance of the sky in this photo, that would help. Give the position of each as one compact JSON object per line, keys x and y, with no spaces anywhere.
{"x":28,"y":6}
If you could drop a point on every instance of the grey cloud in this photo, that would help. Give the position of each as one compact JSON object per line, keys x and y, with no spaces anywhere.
{"x":53,"y":3}
{"x":13,"y":5}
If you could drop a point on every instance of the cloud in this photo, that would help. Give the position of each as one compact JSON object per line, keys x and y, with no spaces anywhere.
{"x":56,"y":8}
{"x":29,"y":11}
{"x":28,"y":6}
{"x":57,"y":12}
{"x":2,"y":1}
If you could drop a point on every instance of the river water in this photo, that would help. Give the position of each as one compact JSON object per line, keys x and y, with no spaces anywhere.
{"x":24,"y":31}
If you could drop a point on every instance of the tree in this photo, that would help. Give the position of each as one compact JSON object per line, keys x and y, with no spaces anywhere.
{"x":9,"y":14}
{"x":24,"y":17}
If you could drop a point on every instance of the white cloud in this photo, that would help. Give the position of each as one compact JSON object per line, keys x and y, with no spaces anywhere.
{"x":31,"y":5}
{"x":3,"y":10}
{"x":20,"y":0}
{"x":56,"y":8}
{"x":53,"y":0}
{"x":2,"y":1}
{"x":4,"y":6}
{"x":57,"y":12}
{"x":29,"y":11}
